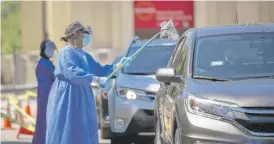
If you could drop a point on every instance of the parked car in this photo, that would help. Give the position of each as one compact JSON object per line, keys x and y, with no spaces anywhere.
{"x":131,"y":99}
{"x":218,"y":87}
{"x":103,"y":105}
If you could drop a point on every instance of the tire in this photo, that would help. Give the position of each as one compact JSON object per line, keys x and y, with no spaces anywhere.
{"x":177,"y":138}
{"x":157,"y":139}
{"x":104,"y":133}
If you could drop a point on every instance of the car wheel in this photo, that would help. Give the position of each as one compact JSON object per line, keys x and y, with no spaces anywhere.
{"x":157,"y":139}
{"x":177,"y":138}
{"x":104,"y":133}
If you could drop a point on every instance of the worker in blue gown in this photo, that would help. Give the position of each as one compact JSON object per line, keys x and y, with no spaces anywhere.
{"x":45,"y":77}
{"x":71,"y":111}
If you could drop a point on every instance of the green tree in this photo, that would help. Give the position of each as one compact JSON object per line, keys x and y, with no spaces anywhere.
{"x":10,"y":26}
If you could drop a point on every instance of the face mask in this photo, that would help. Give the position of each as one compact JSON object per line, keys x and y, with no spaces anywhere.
{"x":86,"y":40}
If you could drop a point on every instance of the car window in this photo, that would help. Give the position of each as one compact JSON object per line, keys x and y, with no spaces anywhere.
{"x":174,"y":59}
{"x":149,"y":60}
{"x":235,"y":56}
{"x":182,"y":54}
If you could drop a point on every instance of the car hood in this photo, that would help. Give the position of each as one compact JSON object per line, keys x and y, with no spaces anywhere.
{"x":147,"y":83}
{"x":244,"y":93}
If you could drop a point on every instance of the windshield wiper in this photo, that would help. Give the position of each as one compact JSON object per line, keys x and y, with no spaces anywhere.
{"x":258,"y":77}
{"x":210,"y":78}
{"x":138,"y":73}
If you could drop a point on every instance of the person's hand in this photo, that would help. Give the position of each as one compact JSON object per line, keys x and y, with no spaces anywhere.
{"x":102,"y":81}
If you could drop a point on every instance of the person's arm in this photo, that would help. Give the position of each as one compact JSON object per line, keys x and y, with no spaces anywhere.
{"x":69,"y":65}
{"x":52,"y":72}
{"x":103,"y":71}
{"x":98,"y":69}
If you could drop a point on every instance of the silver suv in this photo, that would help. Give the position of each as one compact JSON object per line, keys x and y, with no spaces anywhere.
{"x":218,"y":87}
{"x":103,"y":115}
{"x":131,"y":99}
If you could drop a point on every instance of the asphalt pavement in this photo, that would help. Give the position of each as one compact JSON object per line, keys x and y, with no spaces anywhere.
{"x":9,"y":137}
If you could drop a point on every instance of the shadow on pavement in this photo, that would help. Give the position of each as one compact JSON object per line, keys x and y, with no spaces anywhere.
{"x":144,"y":140}
{"x":11,"y":142}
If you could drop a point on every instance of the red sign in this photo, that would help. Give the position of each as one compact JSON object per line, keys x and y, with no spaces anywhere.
{"x":149,"y":14}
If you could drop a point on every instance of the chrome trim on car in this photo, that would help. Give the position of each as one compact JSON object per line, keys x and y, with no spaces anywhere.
{"x":253,"y":111}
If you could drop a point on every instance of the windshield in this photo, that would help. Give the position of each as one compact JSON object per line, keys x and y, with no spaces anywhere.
{"x":234,"y":56}
{"x":149,"y":59}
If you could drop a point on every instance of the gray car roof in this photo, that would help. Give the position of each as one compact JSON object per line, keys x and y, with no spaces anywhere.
{"x":154,"y":42}
{"x":233,"y":29}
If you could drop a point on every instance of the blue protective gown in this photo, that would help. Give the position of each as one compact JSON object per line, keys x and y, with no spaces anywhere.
{"x":71,"y":111}
{"x":45,"y":77}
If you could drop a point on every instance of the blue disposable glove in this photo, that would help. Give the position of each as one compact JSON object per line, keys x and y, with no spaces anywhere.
{"x":101,"y":81}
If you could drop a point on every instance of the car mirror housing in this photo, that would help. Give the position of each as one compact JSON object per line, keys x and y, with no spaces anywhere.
{"x":167,"y":75}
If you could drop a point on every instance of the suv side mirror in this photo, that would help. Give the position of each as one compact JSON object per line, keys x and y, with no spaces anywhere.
{"x":167,"y":75}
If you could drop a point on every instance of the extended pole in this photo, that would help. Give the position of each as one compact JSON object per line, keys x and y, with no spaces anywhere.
{"x":133,"y":56}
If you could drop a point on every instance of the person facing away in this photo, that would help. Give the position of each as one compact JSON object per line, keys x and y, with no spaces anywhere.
{"x":45,"y":77}
{"x":71,"y":112}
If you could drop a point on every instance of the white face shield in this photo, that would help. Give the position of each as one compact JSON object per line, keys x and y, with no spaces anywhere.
{"x":88,"y":38}
{"x":50,"y":49}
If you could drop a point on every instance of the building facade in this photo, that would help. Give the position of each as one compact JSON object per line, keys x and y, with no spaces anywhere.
{"x":113,"y":21}
{"x":114,"y":24}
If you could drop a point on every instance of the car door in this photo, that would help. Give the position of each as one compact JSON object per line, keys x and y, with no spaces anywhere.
{"x":175,"y":88}
{"x":169,"y":88}
{"x":161,"y":97}
{"x":162,"y":94}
